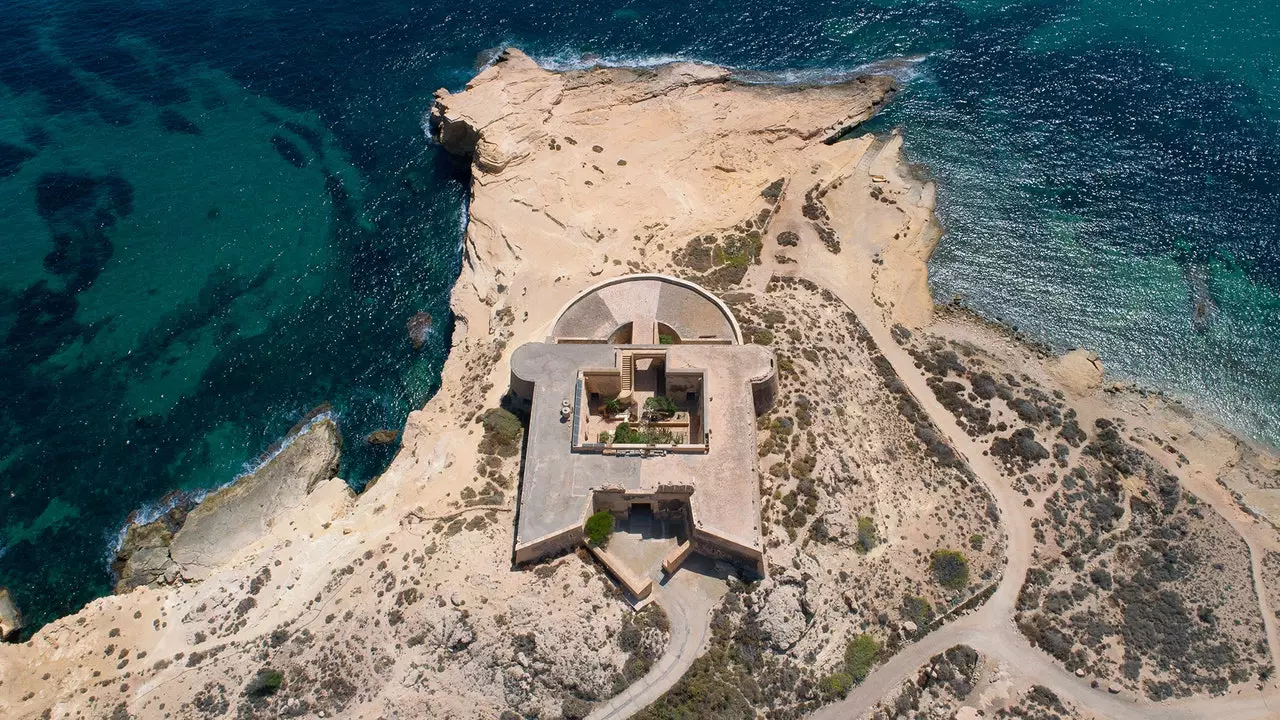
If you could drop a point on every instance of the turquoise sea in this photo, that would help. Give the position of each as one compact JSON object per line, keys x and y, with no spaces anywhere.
{"x":219,"y":215}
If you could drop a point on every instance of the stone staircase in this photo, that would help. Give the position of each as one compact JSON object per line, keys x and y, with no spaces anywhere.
{"x":627,"y":361}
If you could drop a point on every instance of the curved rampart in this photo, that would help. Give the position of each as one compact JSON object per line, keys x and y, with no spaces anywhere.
{"x":694,"y":287}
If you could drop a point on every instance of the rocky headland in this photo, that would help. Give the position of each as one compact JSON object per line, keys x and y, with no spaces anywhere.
{"x":943,"y":504}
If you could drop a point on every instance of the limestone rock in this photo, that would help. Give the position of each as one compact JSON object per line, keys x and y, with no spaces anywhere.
{"x":543,"y":191}
{"x":381,"y":437}
{"x":782,"y":617}
{"x":190,"y":541}
{"x":147,"y":559}
{"x":10,"y":617}
{"x":1079,"y":371}
{"x":237,"y":515}
{"x":143,"y":555}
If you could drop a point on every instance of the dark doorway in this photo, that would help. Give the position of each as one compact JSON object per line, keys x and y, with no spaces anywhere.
{"x":640,"y":520}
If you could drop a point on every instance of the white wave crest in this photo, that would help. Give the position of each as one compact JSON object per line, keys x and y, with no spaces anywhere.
{"x":149,"y":513}
{"x":256,"y":465}
{"x":568,"y":59}
{"x":904,"y":69}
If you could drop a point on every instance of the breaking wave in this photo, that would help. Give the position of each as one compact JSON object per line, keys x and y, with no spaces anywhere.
{"x":904,"y":69}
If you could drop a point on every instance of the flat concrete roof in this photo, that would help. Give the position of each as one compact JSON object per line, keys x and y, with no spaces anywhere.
{"x":688,"y":309}
{"x":556,"y":483}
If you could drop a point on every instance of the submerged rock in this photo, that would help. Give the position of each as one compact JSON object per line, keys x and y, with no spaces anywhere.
{"x":418,"y":326}
{"x":381,"y":437}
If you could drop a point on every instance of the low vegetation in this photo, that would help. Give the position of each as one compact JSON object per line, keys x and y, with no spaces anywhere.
{"x":860,"y":655}
{"x":737,"y":675}
{"x":848,"y":543}
{"x":628,"y":434}
{"x":1136,"y":583}
{"x":916,"y":609}
{"x":950,"y":569}
{"x":502,"y":432}
{"x":659,"y":407}
{"x":599,"y":528}
{"x":938,"y":688}
{"x":867,"y":537}
{"x":265,"y":683}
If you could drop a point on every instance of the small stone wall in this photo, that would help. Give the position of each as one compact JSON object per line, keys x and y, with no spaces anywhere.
{"x":548,"y":545}
{"x":749,"y":560}
{"x":667,"y":504}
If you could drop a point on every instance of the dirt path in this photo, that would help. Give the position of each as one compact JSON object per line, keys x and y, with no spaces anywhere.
{"x":688,"y":599}
{"x":990,"y":629}
{"x":1206,"y":487}
{"x":1264,"y":601}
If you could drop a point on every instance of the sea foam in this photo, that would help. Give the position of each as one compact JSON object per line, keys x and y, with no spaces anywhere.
{"x":904,"y":69}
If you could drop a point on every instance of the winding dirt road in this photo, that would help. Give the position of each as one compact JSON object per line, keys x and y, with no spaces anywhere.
{"x":990,"y":629}
{"x":688,"y":599}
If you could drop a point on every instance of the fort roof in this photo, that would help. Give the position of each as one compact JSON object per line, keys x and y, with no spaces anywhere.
{"x":722,"y":383}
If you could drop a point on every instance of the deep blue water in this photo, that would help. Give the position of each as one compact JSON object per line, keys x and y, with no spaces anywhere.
{"x":219,"y":215}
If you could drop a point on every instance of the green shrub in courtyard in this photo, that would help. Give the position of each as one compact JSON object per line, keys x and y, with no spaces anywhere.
{"x":627,"y":434}
{"x":599,"y":528}
{"x":624,"y":435}
{"x":660,"y":407}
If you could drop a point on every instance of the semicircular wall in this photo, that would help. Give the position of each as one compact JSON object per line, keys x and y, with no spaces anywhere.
{"x":688,"y":309}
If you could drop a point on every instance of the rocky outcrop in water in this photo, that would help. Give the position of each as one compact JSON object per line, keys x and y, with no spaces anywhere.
{"x":143,"y":555}
{"x":418,"y":327}
{"x":187,"y":543}
{"x":381,"y":437}
{"x":10,"y":618}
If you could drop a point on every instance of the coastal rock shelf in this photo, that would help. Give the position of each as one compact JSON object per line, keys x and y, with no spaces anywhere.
{"x":188,"y":544}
